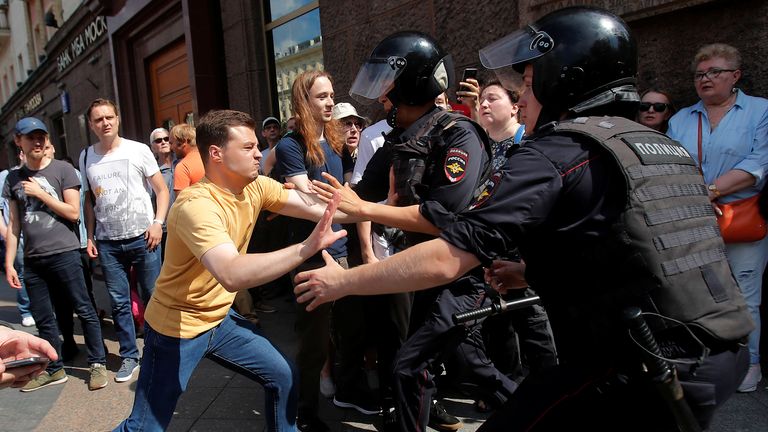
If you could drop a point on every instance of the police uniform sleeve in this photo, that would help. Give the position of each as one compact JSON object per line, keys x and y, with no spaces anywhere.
{"x":457,"y":170}
{"x":514,"y":202}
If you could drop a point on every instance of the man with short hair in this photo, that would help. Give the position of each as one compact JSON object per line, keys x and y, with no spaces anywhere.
{"x":44,"y":202}
{"x":270,"y":131}
{"x":190,"y":315}
{"x":190,"y":169}
{"x":123,"y":230}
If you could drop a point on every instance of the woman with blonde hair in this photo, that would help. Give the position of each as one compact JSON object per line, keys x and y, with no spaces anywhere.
{"x":727,"y":132}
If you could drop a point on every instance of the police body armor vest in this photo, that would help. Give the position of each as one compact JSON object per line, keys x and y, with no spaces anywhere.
{"x":670,"y":223}
{"x":415,"y":160}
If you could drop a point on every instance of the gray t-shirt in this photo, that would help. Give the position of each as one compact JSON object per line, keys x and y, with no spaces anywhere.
{"x":45,"y":232}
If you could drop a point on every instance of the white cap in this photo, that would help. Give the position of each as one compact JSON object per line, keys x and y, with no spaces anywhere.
{"x":343,"y":109}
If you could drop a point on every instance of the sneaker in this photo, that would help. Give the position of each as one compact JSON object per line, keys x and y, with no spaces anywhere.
{"x":363,"y":402}
{"x":98,"y":376}
{"x":46,"y":379}
{"x":439,"y":419}
{"x":752,"y":379}
{"x":327,"y":387}
{"x":127,"y":368}
{"x":263,"y":307}
{"x":311,"y":424}
{"x":27,"y":321}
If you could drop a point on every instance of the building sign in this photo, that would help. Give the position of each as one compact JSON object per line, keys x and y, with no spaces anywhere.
{"x":30,"y":105}
{"x":92,"y":33}
{"x":64,"y":99}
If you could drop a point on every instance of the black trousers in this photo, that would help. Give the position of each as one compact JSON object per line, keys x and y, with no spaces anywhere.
{"x":313,"y":329}
{"x":422,"y":352}
{"x":578,"y":398}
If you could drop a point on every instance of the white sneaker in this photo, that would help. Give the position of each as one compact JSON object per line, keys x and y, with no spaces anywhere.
{"x":327,"y":388}
{"x":27,"y":321}
{"x":752,"y":379}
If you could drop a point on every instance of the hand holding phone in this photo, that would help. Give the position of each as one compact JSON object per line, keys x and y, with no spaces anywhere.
{"x":469,"y":73}
{"x":29,"y":361}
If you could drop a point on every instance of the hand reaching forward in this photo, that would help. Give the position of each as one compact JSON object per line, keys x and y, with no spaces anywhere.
{"x":350,"y":203}
{"x":320,"y":285}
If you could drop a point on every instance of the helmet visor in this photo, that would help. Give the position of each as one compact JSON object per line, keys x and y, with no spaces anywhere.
{"x":519,"y":47}
{"x":375,"y":78}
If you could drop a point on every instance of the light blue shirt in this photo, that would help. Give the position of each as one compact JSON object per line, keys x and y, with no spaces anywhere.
{"x":740,"y":140}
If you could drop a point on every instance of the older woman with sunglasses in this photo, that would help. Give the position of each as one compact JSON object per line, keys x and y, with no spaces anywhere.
{"x":655,"y":110}
{"x":727,"y":132}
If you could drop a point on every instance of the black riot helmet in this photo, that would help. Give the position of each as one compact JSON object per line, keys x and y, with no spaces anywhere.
{"x":411,"y":61}
{"x":583,"y":59}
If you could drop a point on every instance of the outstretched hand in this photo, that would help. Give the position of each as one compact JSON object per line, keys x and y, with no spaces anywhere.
{"x":320,"y":285}
{"x":350,"y":203}
{"x":323,"y":235}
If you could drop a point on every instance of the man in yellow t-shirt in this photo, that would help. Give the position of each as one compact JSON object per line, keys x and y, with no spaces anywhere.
{"x":189,"y":316}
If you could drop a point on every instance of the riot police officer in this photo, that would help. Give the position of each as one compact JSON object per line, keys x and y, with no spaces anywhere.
{"x":438,"y":159}
{"x":607,"y":214}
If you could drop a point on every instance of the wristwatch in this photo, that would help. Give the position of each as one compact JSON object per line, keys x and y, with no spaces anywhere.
{"x":157,"y":221}
{"x":713,"y":188}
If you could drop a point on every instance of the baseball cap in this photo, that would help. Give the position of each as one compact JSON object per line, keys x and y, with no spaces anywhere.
{"x":269,"y":120}
{"x":29,"y":125}
{"x":343,"y":109}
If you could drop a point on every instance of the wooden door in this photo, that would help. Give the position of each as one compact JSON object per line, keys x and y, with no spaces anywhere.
{"x":171,"y":91}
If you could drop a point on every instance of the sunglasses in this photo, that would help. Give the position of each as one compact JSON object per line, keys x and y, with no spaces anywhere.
{"x":159,"y":140}
{"x":657,"y":106}
{"x":349,"y":124}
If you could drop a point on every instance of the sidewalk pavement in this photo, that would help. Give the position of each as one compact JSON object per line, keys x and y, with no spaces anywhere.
{"x":220,"y":400}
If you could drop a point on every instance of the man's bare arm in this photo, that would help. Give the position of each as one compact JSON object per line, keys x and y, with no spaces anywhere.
{"x":236,"y":272}
{"x":406,"y":218}
{"x":423,"y":266}
{"x":309,"y":206}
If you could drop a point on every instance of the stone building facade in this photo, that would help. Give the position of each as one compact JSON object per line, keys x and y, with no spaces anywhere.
{"x":168,"y":61}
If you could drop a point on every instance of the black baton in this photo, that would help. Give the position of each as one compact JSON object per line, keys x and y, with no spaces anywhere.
{"x":663,"y":374}
{"x":496,"y":307}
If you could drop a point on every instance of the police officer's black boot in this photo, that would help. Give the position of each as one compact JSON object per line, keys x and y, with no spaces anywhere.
{"x":439,"y":419}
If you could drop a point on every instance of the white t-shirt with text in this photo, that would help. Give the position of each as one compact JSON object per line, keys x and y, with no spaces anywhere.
{"x":123,"y":205}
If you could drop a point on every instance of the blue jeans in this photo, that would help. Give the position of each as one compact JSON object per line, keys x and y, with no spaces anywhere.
{"x":747,"y":262}
{"x":116,"y":258}
{"x":236,"y":344}
{"x":56,"y":281}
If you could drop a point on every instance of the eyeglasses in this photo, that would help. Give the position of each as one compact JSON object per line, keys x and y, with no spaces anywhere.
{"x":711,"y":74}
{"x":657,"y":106}
{"x":349,"y":124}
{"x":161,"y":139}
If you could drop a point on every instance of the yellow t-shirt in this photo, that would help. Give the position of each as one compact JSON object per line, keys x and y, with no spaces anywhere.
{"x":188,"y":300}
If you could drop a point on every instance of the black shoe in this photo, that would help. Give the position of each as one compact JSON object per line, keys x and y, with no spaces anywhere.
{"x":440,"y":420}
{"x":363,"y":402}
{"x":311,"y":424}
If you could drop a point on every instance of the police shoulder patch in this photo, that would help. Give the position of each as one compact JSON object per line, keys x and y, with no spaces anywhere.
{"x":487,"y":190}
{"x":455,"y":166}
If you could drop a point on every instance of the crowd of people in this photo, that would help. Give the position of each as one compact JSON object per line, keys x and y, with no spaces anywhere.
{"x":536,"y":182}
